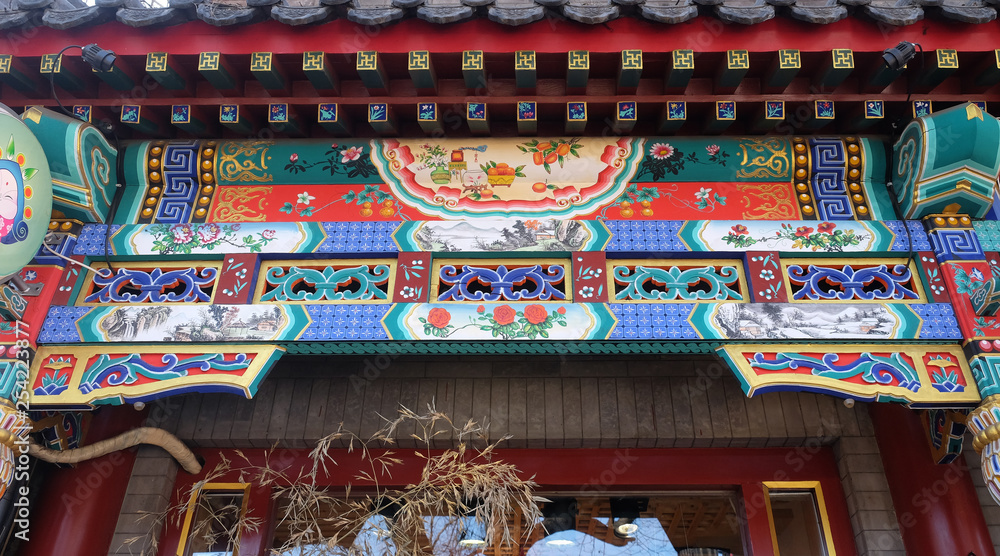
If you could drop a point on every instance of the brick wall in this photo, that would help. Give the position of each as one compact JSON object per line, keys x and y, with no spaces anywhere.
{"x":869,"y":503}
{"x":991,"y":511}
{"x":149,"y":490}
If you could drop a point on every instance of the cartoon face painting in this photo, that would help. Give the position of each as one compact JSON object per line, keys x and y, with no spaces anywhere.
{"x":13,"y":227}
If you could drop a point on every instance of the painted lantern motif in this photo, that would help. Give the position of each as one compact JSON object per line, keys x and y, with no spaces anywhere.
{"x":25,"y":195}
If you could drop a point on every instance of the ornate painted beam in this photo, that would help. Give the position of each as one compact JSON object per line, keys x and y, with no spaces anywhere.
{"x":918,"y":376}
{"x":82,"y":377}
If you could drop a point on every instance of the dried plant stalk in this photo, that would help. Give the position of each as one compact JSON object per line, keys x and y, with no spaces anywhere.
{"x":467,"y":481}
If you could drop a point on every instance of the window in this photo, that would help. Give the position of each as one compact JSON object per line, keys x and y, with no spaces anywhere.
{"x":212,"y":521}
{"x":799,"y":524}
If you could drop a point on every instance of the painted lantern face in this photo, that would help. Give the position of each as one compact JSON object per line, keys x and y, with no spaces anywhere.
{"x":13,"y":194}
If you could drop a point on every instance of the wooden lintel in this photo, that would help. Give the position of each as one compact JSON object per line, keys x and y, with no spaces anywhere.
{"x":880,"y":76}
{"x":629,"y":72}
{"x":679,"y":72}
{"x":216,"y":68}
{"x":266,"y":68}
{"x":421,"y":69}
{"x":317,"y":69}
{"x":165,"y":69}
{"x":783,"y":69}
{"x":731,"y":72}
{"x":839,"y":64}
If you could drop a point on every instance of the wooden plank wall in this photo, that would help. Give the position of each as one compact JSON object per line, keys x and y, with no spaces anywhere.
{"x":542,"y":402}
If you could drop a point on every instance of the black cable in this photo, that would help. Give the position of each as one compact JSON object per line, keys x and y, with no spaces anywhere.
{"x":52,"y":79}
{"x":116,"y":200}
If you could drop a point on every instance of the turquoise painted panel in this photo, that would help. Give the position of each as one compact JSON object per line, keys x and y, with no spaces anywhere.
{"x":876,"y":193}
{"x":948,"y":158}
{"x":81,"y":161}
{"x":503,"y":235}
{"x":499,"y":321}
{"x":793,"y":236}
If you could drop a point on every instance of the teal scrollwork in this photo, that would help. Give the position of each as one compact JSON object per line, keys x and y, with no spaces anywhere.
{"x":356,"y":283}
{"x":873,"y":369}
{"x":642,"y":283}
{"x":109,"y":371}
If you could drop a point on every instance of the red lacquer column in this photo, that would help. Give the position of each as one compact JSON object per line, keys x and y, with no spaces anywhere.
{"x":936,"y":505}
{"x":78,"y":508}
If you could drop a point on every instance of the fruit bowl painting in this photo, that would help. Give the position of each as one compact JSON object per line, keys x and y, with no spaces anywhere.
{"x":510,"y":177}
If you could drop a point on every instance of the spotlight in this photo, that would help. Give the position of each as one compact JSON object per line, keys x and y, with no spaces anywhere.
{"x":624,"y":512}
{"x":98,"y":58}
{"x":897,"y":56}
{"x":560,"y":515}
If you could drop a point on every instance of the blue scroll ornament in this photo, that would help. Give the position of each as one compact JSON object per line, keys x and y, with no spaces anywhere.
{"x":872,"y":368}
{"x":126,"y":370}
{"x":527,"y":283}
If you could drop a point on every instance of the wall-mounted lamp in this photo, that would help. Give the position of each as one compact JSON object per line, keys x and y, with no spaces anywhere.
{"x":98,"y":58}
{"x":897,"y":56}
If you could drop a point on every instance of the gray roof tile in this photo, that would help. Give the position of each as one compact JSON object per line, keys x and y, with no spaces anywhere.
{"x":65,"y":14}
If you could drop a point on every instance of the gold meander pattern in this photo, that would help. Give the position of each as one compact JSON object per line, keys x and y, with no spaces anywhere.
{"x":764,"y":158}
{"x":243,"y":161}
